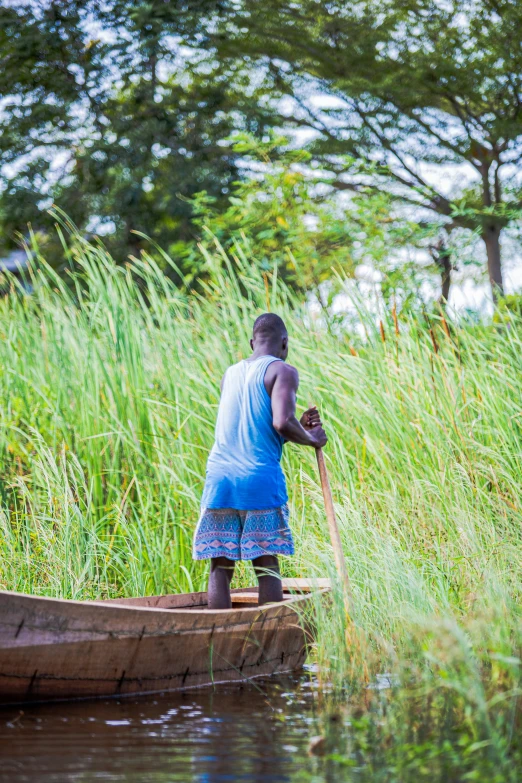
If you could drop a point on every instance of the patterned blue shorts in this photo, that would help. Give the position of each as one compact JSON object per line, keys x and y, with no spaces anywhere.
{"x":243,"y":535}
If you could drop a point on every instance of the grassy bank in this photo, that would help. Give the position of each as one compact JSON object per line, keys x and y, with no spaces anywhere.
{"x":109,"y":389}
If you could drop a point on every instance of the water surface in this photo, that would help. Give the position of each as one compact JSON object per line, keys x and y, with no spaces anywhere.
{"x":257,"y":732}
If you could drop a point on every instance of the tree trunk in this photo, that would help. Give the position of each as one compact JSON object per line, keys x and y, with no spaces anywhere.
{"x":441,"y":255}
{"x":445,"y":276}
{"x":491,"y":237}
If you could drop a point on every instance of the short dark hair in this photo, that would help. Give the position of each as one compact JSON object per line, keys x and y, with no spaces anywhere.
{"x":269,"y":326}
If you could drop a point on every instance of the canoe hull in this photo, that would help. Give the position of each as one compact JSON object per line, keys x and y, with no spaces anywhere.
{"x":53,"y":649}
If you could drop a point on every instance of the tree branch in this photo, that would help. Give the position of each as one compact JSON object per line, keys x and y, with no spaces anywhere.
{"x":389,"y":146}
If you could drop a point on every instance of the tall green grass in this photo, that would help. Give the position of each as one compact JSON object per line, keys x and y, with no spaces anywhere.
{"x":109,"y":389}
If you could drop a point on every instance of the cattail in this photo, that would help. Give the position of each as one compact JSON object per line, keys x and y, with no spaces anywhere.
{"x":383,"y":335}
{"x":395,"y":320}
{"x":434,"y":341}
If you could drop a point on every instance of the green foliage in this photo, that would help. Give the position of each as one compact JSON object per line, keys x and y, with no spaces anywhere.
{"x":106,"y":115}
{"x":288,"y":216}
{"x":508,"y":308}
{"x":279,"y":217}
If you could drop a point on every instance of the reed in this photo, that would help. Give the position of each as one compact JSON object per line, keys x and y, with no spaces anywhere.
{"x":109,"y":386}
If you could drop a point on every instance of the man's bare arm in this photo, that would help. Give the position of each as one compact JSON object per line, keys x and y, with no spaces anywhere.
{"x":283,"y":395}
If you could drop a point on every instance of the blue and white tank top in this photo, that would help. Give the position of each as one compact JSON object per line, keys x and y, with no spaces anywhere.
{"x":243,"y":469}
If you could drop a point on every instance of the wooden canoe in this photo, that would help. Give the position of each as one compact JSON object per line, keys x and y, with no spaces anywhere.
{"x":53,"y":649}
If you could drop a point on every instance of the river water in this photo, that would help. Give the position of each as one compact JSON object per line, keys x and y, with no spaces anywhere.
{"x":253,"y":733}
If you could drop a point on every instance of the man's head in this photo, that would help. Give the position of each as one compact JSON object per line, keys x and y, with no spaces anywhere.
{"x":270,"y":336}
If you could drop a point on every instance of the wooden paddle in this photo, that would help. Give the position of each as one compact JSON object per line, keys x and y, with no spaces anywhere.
{"x":333,"y":527}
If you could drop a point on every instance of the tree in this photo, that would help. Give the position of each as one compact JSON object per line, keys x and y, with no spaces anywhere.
{"x":105,"y":116}
{"x":408,"y":88}
{"x":282,"y":215}
{"x":288,"y":219}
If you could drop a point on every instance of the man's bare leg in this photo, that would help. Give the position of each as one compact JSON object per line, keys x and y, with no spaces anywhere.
{"x":221,"y":573}
{"x":270,"y":585}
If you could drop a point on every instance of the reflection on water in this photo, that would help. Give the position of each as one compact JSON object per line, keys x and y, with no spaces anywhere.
{"x":253,"y":733}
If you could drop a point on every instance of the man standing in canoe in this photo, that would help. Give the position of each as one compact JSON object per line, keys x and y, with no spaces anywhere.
{"x":244,"y":509}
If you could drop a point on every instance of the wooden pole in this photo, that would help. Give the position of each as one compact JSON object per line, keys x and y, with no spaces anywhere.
{"x":333,"y":527}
